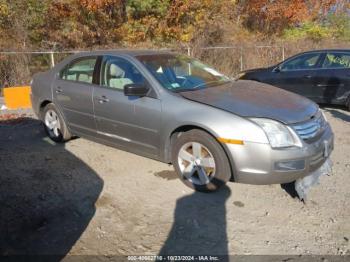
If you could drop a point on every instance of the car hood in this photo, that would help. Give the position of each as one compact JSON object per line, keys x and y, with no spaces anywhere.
{"x":253,"y":99}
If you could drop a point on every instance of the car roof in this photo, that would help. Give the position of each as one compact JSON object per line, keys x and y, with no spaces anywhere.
{"x":325,"y":50}
{"x":130,"y":52}
{"x":116,"y":52}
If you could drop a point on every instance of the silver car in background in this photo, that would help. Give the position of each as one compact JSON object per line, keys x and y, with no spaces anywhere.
{"x":175,"y":109}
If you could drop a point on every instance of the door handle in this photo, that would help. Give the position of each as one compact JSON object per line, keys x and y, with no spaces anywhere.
{"x":58,"y":90}
{"x":103,"y":99}
{"x":307,"y":76}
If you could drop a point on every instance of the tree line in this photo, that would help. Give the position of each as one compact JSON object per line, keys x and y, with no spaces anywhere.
{"x":48,"y":24}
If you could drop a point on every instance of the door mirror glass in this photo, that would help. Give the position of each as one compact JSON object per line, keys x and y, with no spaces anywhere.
{"x":136,"y":90}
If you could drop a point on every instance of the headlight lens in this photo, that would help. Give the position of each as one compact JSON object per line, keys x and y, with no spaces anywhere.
{"x":278,"y":134}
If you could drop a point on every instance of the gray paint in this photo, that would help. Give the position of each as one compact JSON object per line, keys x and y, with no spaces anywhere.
{"x":252,"y":99}
{"x":144,"y":125}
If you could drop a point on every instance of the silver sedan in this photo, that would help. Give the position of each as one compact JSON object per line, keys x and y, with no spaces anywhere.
{"x":178,"y":110}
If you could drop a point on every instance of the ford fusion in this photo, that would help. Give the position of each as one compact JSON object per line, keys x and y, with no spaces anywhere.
{"x":175,"y":109}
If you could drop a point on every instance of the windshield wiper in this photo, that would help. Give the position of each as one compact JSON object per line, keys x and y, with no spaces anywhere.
{"x":183,"y":90}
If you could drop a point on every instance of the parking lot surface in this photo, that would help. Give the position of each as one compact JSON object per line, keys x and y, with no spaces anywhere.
{"x":85,"y":198}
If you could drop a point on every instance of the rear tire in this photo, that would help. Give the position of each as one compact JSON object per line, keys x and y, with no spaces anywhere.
{"x":200,"y":161}
{"x":54,"y":124}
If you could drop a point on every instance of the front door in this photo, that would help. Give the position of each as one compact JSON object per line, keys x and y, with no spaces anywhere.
{"x":130,"y":122}
{"x":72,"y":92}
{"x":297,"y":74}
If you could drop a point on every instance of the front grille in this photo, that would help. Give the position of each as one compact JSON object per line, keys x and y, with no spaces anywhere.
{"x":311,"y":128}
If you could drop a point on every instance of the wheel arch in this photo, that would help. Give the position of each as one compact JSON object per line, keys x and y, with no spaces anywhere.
{"x":42,"y":105}
{"x":188,"y":127}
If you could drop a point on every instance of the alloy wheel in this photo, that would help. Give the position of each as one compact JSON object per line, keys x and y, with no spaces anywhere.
{"x":52,"y":122}
{"x":196,"y":163}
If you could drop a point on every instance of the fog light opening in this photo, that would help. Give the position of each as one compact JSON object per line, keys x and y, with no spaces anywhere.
{"x":290,"y":165}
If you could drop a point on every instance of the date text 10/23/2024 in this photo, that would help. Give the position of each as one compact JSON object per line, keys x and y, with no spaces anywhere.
{"x":173,"y":258}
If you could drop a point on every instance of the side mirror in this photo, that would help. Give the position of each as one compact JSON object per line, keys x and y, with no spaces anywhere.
{"x":276,"y":70}
{"x":136,"y":90}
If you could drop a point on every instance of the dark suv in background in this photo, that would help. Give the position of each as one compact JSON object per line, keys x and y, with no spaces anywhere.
{"x":322,"y":75}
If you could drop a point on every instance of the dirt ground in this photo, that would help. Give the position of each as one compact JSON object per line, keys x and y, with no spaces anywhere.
{"x":85,"y":198}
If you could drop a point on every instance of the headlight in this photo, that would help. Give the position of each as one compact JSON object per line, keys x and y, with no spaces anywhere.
{"x":278,"y":134}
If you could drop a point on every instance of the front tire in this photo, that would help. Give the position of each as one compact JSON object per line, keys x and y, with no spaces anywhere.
{"x":200,"y":161}
{"x":54,"y":124}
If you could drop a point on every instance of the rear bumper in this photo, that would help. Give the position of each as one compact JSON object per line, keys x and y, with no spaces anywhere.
{"x":259,"y":164}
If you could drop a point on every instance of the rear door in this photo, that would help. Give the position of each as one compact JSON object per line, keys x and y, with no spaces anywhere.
{"x":333,"y":80}
{"x":130,"y":122}
{"x":72,"y":92}
{"x":297,"y":74}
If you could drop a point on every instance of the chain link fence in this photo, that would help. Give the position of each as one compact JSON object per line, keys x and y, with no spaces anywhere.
{"x":17,"y":68}
{"x":233,"y":59}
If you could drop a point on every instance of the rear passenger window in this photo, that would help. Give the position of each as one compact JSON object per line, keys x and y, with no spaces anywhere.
{"x":80,"y":71}
{"x":336,"y":60}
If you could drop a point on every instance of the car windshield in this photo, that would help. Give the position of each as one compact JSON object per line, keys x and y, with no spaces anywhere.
{"x":180,"y":73}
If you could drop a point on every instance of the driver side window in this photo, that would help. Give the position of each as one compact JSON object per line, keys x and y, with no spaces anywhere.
{"x":303,"y":62}
{"x":117,"y":72}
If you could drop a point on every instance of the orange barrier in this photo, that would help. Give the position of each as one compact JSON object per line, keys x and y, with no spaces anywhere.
{"x":17,"y":97}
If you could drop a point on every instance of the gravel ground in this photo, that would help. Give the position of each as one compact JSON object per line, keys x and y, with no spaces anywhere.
{"x":89,"y":199}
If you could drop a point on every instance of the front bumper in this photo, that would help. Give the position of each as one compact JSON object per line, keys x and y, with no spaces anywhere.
{"x":258,"y":164}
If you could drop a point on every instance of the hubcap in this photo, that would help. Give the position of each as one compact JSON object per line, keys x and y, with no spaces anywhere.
{"x":196,"y":163}
{"x":52,"y":122}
